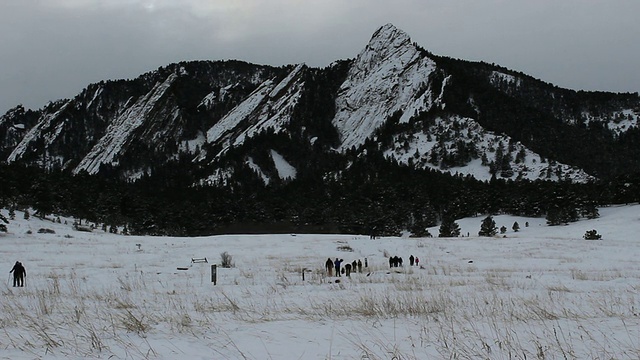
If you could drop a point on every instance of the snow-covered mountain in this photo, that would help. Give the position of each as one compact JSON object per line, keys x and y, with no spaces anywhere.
{"x":394,"y":98}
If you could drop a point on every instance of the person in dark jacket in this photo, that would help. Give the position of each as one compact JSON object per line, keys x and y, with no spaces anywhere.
{"x":411,"y":259}
{"x":359,"y":266}
{"x":337,"y":266}
{"x":329,"y":266}
{"x":19,"y":272}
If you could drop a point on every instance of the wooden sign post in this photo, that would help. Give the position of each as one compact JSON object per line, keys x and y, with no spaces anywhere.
{"x":214,"y":274}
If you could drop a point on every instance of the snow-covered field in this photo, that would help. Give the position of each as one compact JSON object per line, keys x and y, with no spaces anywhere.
{"x":540,"y":293}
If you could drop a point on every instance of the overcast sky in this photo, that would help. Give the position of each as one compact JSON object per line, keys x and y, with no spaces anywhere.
{"x":52,"y":49}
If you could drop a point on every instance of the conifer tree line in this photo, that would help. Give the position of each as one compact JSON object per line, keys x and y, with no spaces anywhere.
{"x":371,"y":196}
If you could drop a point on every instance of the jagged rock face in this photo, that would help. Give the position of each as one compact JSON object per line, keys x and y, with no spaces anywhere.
{"x":422,"y":110}
{"x":389,"y":75}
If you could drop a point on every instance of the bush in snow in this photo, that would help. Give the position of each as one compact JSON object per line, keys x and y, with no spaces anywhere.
{"x":226,"y":260}
{"x":592,"y":235}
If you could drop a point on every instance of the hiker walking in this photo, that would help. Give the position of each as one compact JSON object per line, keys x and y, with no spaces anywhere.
{"x":19,"y":272}
{"x":329,"y":266}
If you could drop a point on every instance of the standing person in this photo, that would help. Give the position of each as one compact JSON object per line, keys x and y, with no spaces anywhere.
{"x":19,"y":272}
{"x":411,"y":260}
{"x":417,"y":261}
{"x":329,"y":266}
{"x":390,"y":261}
{"x":359,"y":266}
{"x":337,"y":266}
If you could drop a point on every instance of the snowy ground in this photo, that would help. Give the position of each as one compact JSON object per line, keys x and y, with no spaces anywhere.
{"x":540,"y":293}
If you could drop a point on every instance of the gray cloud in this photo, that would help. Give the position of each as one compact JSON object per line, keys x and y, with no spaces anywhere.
{"x":53,"y":49}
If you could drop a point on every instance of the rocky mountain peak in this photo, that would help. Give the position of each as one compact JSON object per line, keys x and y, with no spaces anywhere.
{"x":389,"y":75}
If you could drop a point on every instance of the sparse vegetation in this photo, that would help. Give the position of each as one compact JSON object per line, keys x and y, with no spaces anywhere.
{"x":592,"y":235}
{"x":226,"y":260}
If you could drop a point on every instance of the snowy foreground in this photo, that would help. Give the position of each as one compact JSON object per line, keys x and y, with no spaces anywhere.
{"x":540,"y":293}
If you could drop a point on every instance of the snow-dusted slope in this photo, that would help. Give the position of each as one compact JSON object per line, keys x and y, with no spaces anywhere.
{"x":389,"y":75}
{"x":120,"y":132}
{"x":48,"y":129}
{"x":269,"y":106}
{"x":427,"y":148}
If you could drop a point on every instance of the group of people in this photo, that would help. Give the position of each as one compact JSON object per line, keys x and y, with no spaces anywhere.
{"x":19,"y":272}
{"x":335,"y":266}
{"x":396,"y":261}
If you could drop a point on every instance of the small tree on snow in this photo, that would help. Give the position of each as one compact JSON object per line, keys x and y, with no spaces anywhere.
{"x":449,"y":228}
{"x":3,"y":227}
{"x":516,"y":226}
{"x":503,"y":229}
{"x":488,"y":227}
{"x":592,"y":235}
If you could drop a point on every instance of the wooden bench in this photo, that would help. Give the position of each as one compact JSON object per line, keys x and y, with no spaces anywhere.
{"x":199,"y":260}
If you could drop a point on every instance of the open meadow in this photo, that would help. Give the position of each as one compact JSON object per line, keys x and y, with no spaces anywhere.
{"x":540,"y":293}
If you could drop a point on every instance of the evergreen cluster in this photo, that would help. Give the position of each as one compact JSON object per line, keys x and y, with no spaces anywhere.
{"x":379,"y":197}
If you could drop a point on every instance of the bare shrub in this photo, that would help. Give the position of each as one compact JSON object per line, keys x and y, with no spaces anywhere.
{"x":226,"y":260}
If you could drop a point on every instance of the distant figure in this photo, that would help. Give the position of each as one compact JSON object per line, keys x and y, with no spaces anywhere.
{"x":390,"y":261}
{"x":396,"y":261}
{"x":347,"y":270}
{"x":19,"y":272}
{"x":329,"y":266}
{"x":417,"y":261}
{"x":354,"y":265}
{"x":337,"y":266}
{"x":360,"y":265}
{"x":366,"y":263}
{"x":411,"y":260}
{"x":400,"y":261}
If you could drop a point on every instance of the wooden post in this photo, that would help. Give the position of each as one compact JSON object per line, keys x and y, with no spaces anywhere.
{"x":214,"y":274}
{"x":303,"y":274}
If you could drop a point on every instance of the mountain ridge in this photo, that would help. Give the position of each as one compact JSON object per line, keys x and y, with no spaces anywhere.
{"x":392,"y":85}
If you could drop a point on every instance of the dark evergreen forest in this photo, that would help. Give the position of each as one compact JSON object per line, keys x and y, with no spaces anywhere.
{"x":371,"y":197}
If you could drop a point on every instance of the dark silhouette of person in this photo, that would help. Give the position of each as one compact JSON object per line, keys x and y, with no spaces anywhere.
{"x":390,"y":261}
{"x":354,"y":266}
{"x":400,"y":261}
{"x":337,"y":266}
{"x":411,"y":259}
{"x":19,"y":272}
{"x":396,"y":261}
{"x":359,"y":266}
{"x":347,"y":270}
{"x":417,"y":261}
{"x":329,"y":266}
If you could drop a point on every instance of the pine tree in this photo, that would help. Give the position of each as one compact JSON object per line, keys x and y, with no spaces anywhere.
{"x":488,"y":227}
{"x":449,"y":228}
{"x":516,"y":226}
{"x":592,"y":235}
{"x":3,"y":227}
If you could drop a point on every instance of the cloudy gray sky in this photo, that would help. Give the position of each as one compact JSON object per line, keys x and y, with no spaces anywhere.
{"x":52,"y":49}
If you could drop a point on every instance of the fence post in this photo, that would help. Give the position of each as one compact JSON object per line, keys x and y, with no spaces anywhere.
{"x":214,"y":274}
{"x":303,"y":274}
